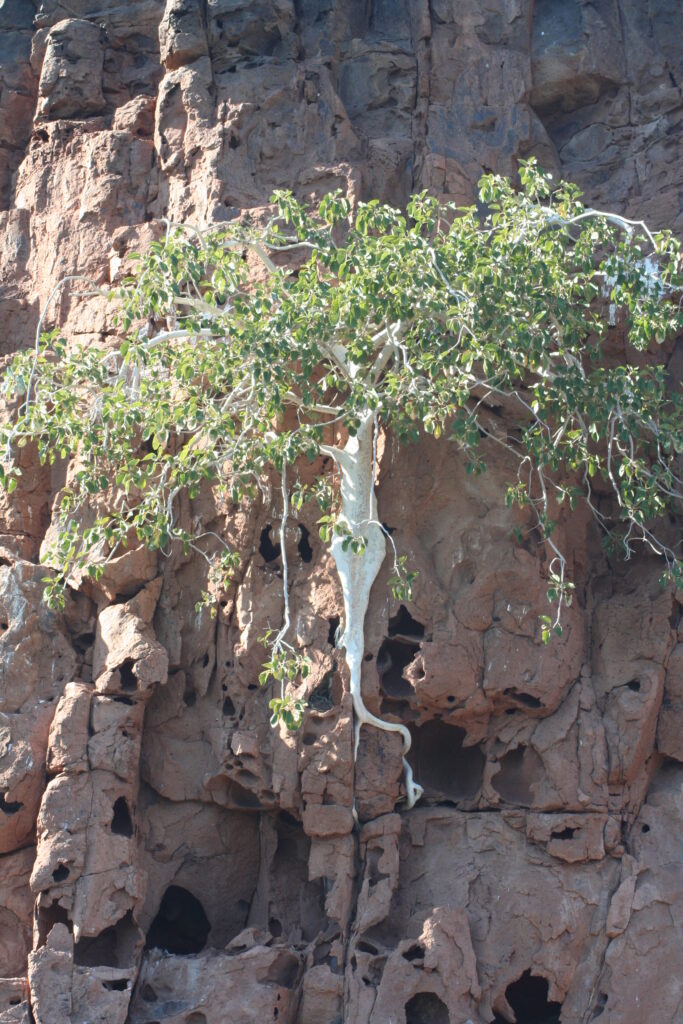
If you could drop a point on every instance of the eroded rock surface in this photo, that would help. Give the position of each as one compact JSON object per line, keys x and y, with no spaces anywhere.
{"x":164,"y":855}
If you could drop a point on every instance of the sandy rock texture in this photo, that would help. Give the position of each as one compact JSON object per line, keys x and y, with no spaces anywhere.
{"x":165,"y":857}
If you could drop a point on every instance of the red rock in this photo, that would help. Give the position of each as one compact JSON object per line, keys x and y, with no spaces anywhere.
{"x":554,"y":849}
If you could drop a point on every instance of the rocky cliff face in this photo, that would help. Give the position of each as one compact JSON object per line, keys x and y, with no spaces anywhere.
{"x":164,"y":855}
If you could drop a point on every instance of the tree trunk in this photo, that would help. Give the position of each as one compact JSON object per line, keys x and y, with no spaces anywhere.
{"x":358,"y":572}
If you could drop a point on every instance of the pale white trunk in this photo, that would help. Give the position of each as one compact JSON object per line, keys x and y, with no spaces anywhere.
{"x":357,"y":573}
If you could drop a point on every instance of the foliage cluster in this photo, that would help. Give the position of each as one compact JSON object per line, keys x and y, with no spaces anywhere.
{"x":421,"y":318}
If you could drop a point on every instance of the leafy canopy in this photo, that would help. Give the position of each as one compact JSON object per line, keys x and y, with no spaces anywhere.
{"x":421,"y":318}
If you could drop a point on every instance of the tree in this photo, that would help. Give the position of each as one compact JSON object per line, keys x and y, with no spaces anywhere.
{"x":402,"y":322}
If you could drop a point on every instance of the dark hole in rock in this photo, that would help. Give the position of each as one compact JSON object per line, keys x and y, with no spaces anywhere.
{"x":121,"y":823}
{"x":388,"y":529}
{"x":4,"y":624}
{"x":414,"y":953}
{"x":205,"y":660}
{"x":275,"y":927}
{"x":9,"y":806}
{"x":252,"y":686}
{"x":284,"y":971}
{"x":322,"y":698}
{"x":123,"y":700}
{"x":393,"y":658}
{"x":442,"y":764}
{"x":528,"y":999}
{"x":522,"y":698}
{"x":427,"y":1008}
{"x":239,"y":796}
{"x":304,"y":546}
{"x":15,"y":1002}
{"x":196,"y":1018}
{"x":519,"y":769}
{"x":334,"y":621}
{"x":565,"y":833}
{"x":600,"y":1006}
{"x":189,"y":698}
{"x":149,"y":995}
{"x":181,"y":926}
{"x":403,"y":624}
{"x":117,"y":985}
{"x":375,"y":971}
{"x":83,"y":642}
{"x":368,"y":657}
{"x":234,"y":142}
{"x":228,"y":707}
{"x":60,"y":873}
{"x":268,"y":551}
{"x":367,"y":947}
{"x":128,"y":678}
{"x":645,"y":828}
{"x":634,"y":685}
{"x":114,"y":947}
{"x":48,"y":917}
{"x":309,"y":739}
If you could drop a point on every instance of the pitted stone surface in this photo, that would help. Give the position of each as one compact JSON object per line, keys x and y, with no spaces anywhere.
{"x":166,"y":856}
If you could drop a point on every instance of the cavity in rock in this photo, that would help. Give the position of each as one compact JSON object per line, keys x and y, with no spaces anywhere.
{"x":121,"y":822}
{"x":426,"y":1008}
{"x":304,"y":547}
{"x":519,"y":770}
{"x":181,"y":926}
{"x":447,"y":769}
{"x":268,"y":551}
{"x":528,"y":999}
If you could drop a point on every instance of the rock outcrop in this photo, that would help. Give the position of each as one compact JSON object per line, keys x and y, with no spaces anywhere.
{"x":164,"y":855}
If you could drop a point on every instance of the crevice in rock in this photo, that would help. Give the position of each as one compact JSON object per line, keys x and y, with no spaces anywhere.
{"x":527,"y":700}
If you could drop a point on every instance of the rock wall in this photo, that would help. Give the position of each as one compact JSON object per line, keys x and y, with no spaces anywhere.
{"x":165,"y":857}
